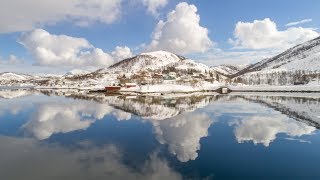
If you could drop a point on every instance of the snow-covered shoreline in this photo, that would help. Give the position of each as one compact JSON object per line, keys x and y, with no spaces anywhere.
{"x":268,"y":88}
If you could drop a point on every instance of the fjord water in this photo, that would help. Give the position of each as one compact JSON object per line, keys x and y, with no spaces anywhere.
{"x":74,"y":135}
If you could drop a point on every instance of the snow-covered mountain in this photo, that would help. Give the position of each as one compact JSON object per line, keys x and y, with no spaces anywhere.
{"x":144,"y":61}
{"x":300,"y":64}
{"x":9,"y":76}
{"x":228,"y":70}
{"x":14,"y":79}
{"x":297,"y":65}
{"x":77,"y":72}
{"x":157,"y":60}
{"x":304,"y":57}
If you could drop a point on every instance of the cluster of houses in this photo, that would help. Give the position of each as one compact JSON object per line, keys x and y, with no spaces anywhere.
{"x":147,"y":77}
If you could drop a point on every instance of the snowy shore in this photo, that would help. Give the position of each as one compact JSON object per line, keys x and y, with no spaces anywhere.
{"x":268,"y":88}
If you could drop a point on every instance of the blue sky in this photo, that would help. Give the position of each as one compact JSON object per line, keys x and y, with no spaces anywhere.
{"x":218,"y":38}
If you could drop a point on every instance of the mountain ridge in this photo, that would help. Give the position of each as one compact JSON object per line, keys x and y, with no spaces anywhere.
{"x":295,"y":54}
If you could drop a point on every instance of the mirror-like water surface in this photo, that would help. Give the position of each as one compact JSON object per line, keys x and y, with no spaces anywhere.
{"x":75,"y":135}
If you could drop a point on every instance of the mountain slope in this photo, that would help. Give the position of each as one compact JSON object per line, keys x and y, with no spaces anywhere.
{"x":8,"y":76}
{"x":144,"y":61}
{"x":157,"y":60}
{"x":304,"y":57}
{"x":228,"y":70}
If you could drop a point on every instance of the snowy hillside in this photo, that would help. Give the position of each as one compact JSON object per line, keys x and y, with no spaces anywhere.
{"x":228,"y":70}
{"x":14,"y":79}
{"x":155,"y":61}
{"x":305,"y":57}
{"x":8,"y":76}
{"x":298,"y":65}
{"x":189,"y":64}
{"x":77,"y":72}
{"x":144,"y":61}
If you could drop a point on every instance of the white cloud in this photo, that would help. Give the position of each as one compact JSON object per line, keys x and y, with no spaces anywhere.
{"x":12,"y":60}
{"x":63,"y":117}
{"x":121,"y":115}
{"x":264,"y":129}
{"x":51,"y":117}
{"x":181,"y":32}
{"x":121,"y":53}
{"x":16,"y":15}
{"x":62,"y":50}
{"x":263,"y":34}
{"x":154,"y":5}
{"x":299,"y":22}
{"x":182,"y":134}
{"x":82,"y":163}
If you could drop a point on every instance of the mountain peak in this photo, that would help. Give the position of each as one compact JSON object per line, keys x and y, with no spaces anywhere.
{"x":149,"y":60}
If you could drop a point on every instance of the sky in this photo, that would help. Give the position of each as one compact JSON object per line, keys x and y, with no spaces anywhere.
{"x":42,"y":36}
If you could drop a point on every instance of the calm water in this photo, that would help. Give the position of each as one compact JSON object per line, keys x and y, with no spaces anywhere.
{"x":72,"y":135}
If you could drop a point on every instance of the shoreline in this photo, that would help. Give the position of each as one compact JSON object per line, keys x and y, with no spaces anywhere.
{"x":217,"y":89}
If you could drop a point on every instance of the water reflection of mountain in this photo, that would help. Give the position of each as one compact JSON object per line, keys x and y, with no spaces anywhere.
{"x":301,"y":107}
{"x":159,"y":108}
{"x":151,"y":107}
{"x":15,"y":93}
{"x":174,"y":119}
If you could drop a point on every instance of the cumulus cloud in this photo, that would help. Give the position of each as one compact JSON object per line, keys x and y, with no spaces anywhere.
{"x":121,"y":115}
{"x":18,"y":15}
{"x":121,"y":53}
{"x":182,"y":134}
{"x":299,"y":22}
{"x":12,"y":60}
{"x":154,"y":5}
{"x":104,"y":162}
{"x":59,"y":117}
{"x":263,"y":34}
{"x":61,"y":50}
{"x":52,"y":117}
{"x":181,"y":32}
{"x":264,"y":129}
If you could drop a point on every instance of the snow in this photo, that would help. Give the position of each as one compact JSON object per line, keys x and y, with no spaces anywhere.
{"x":228,"y":69}
{"x":305,"y":57}
{"x":264,"y":88}
{"x":12,"y":76}
{"x":158,"y":108}
{"x":152,"y":60}
{"x":77,"y":72}
{"x":190,"y":64}
{"x":177,"y":88}
{"x":297,"y":106}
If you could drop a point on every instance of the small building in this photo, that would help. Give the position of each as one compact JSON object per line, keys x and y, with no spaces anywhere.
{"x":157,"y":75}
{"x":173,"y":74}
{"x":224,"y":90}
{"x":167,"y":77}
